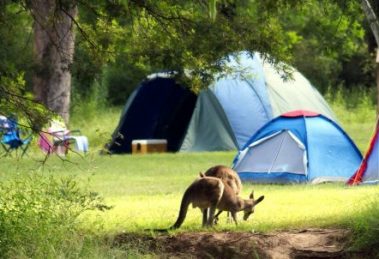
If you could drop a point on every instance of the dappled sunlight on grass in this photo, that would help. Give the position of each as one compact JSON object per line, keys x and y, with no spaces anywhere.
{"x":146,"y":191}
{"x":284,"y":207}
{"x":310,"y":206}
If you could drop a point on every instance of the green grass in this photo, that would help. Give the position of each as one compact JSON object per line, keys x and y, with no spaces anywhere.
{"x":356,"y":114}
{"x":358,"y":123}
{"x":145,"y":190}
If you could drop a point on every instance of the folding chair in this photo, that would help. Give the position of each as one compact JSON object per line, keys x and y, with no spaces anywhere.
{"x":12,"y":136}
{"x":58,"y":139}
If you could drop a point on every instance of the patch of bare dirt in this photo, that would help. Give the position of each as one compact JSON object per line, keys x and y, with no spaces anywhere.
{"x":309,"y":243}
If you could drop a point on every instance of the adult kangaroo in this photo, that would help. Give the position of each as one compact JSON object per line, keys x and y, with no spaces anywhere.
{"x":211,"y":193}
{"x":229,"y":177}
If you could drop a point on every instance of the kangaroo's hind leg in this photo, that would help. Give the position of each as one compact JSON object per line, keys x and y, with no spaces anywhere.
{"x":205,"y":217}
{"x":234,"y":216}
{"x":212,"y":211}
{"x":215,"y":221}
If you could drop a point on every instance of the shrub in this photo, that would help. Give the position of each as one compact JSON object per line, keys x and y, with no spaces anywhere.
{"x":39,"y":216}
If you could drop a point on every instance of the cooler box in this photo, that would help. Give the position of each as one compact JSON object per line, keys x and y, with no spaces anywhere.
{"x":143,"y":146}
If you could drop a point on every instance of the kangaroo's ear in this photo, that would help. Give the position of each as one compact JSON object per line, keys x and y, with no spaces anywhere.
{"x":202,"y":174}
{"x":251,"y":195}
{"x":259,"y":200}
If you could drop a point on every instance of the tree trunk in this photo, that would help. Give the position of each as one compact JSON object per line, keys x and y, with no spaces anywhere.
{"x":53,"y":49}
{"x":374,"y":25}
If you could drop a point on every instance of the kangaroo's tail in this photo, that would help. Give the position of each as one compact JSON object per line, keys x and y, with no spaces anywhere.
{"x":182,"y":214}
{"x":183,"y":210}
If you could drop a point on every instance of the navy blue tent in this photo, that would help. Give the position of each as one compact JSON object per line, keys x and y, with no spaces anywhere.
{"x":160,"y":109}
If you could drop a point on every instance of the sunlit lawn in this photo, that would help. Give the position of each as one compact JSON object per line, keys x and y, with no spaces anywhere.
{"x":284,"y":207}
{"x":146,"y":192}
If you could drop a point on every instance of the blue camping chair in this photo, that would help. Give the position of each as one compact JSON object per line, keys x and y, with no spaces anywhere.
{"x":11,"y":139}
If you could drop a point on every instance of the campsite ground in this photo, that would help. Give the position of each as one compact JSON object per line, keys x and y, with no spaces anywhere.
{"x":145,"y":192}
{"x":307,"y":243}
{"x":294,"y":221}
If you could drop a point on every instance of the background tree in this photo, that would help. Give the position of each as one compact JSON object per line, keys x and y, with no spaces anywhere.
{"x":120,"y":42}
{"x":374,"y":26}
{"x":182,"y":38}
{"x":16,"y":64}
{"x":331,"y":49}
{"x":54,"y":42}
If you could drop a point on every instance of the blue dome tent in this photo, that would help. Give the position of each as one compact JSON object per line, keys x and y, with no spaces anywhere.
{"x":222,"y":117}
{"x":298,"y":147}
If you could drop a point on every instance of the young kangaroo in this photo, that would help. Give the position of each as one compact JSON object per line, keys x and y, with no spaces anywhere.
{"x":229,"y":177}
{"x":211,"y":193}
